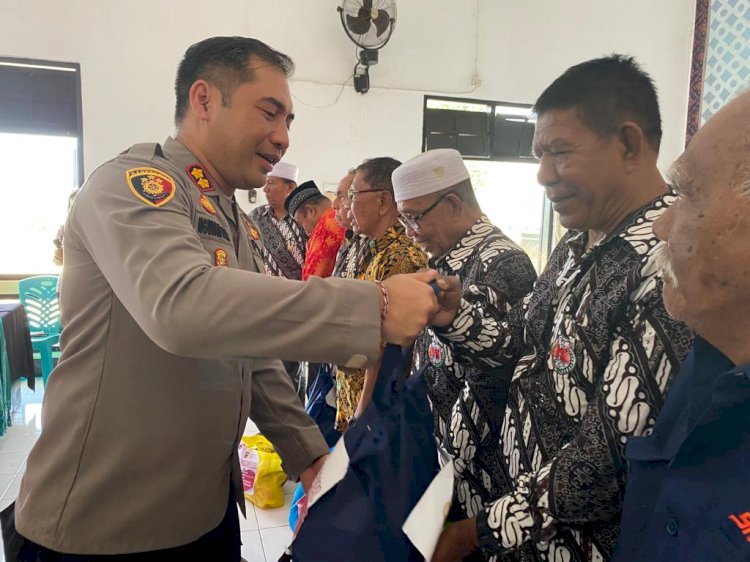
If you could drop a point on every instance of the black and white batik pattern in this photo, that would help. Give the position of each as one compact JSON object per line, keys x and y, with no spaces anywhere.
{"x":468,"y":402}
{"x":599,"y":352}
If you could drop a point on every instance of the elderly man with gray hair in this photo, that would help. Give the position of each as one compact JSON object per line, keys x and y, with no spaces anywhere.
{"x":440,"y":212}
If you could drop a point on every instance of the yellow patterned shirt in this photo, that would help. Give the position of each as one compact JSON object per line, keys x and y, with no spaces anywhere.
{"x":392,"y":253}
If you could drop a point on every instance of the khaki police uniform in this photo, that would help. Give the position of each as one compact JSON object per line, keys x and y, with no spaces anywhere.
{"x":166,"y":327}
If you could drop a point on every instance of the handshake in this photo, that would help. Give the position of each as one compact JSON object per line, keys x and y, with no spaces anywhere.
{"x":413,"y":304}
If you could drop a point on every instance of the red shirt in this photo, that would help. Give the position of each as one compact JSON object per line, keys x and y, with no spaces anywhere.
{"x":322,"y":247}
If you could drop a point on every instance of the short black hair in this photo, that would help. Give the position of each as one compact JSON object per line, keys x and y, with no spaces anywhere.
{"x":605,"y":92}
{"x":222,"y":61}
{"x":315,"y":201}
{"x":378,"y":171}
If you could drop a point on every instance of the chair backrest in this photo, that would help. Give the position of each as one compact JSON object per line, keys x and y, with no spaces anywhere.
{"x":38,"y":296}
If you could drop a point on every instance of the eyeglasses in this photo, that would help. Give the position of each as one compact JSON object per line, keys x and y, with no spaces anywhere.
{"x":352,"y":194}
{"x":413,"y":222}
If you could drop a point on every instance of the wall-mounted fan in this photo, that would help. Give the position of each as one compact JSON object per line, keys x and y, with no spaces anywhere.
{"x":369,"y":24}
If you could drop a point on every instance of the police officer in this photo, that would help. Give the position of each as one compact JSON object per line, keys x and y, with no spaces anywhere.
{"x":171,"y":336}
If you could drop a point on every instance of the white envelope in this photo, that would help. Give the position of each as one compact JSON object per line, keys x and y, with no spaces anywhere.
{"x":425,"y":522}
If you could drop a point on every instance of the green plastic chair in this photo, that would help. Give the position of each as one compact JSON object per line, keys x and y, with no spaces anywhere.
{"x":39,"y":298}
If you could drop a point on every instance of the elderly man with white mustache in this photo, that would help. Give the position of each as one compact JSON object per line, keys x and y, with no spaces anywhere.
{"x":688,"y":493}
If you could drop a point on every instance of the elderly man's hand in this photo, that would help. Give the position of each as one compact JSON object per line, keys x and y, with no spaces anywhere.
{"x":309,"y":474}
{"x":449,"y":300}
{"x":457,"y":541}
{"x":411,"y":306}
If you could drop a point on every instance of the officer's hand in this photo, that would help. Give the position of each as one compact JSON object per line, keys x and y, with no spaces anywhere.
{"x":457,"y":541}
{"x":411,"y":305}
{"x":449,"y":301}
{"x":309,"y":474}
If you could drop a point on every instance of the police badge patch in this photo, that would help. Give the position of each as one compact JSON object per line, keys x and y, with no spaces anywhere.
{"x":221,"y":258}
{"x":563,"y":356}
{"x":199,"y":177}
{"x":150,"y":185}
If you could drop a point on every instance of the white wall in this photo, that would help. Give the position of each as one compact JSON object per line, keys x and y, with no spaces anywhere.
{"x":129,"y":49}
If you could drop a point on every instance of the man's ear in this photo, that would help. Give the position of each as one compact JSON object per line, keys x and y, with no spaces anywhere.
{"x":633,"y":140}
{"x":200,"y":98}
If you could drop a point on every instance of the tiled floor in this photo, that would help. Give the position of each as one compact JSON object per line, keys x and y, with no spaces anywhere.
{"x":265,"y":532}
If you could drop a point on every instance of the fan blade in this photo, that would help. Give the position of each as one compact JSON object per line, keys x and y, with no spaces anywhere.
{"x":382,"y":22}
{"x":358,"y":25}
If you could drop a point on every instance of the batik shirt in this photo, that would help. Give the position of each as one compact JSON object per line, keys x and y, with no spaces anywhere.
{"x":598,"y":352}
{"x":353,"y":256}
{"x":467,"y":401}
{"x":284,"y":243}
{"x":323,"y":246}
{"x":390,"y":254}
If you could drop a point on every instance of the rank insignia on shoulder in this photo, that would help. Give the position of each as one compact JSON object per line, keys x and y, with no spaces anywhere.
{"x":563,"y":356}
{"x":254,"y":234}
{"x":150,"y":185}
{"x":221,"y":258}
{"x":199,"y":177}
{"x":206,"y":204}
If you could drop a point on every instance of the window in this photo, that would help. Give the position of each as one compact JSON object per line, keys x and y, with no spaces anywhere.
{"x":41,"y":147}
{"x":495,"y":140}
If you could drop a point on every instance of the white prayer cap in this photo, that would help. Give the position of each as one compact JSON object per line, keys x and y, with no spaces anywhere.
{"x":429,"y":172}
{"x":284,"y":171}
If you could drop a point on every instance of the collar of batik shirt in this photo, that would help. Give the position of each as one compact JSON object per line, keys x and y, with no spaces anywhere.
{"x":454,"y":260}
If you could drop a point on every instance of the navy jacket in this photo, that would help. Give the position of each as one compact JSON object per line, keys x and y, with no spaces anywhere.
{"x":688,"y":491}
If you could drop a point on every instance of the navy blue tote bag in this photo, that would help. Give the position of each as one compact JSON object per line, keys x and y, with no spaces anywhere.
{"x":392,"y":460}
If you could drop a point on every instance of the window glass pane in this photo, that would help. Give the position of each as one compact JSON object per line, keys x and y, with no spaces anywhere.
{"x":513,"y":200}
{"x":39,"y":176}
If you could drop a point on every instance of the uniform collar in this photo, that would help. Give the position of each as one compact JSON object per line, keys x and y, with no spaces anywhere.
{"x":455,"y":258}
{"x":179,"y":154}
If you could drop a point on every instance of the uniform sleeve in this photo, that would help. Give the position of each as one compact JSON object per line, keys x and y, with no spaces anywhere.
{"x":157,"y":267}
{"x":276,"y":411}
{"x":584,"y":482}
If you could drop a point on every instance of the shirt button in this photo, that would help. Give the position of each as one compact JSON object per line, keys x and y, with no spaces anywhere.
{"x":672,"y":527}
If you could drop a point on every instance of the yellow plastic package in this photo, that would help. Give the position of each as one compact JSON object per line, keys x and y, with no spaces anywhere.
{"x":262,"y":477}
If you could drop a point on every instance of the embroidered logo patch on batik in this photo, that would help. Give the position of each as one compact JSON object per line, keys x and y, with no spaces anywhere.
{"x":150,"y":185}
{"x":563,"y":356}
{"x":206,"y":204}
{"x":435,"y":353}
{"x":199,"y":177}
{"x":221,"y":258}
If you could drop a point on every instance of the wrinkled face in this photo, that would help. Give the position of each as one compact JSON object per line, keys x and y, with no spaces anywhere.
{"x":580,"y":171}
{"x":276,"y":190}
{"x":246,"y":137}
{"x":366,"y":205}
{"x":341,"y":201}
{"x":707,"y":230}
{"x":433,"y":233}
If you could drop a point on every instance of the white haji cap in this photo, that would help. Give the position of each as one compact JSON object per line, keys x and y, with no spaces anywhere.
{"x":284,"y":171}
{"x":429,"y":172}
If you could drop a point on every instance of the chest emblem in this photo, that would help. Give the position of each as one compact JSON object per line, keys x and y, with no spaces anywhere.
{"x":206,"y":204}
{"x":150,"y":185}
{"x":563,"y":356}
{"x":436,"y":354}
{"x":221,"y":258}
{"x":199,"y":178}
